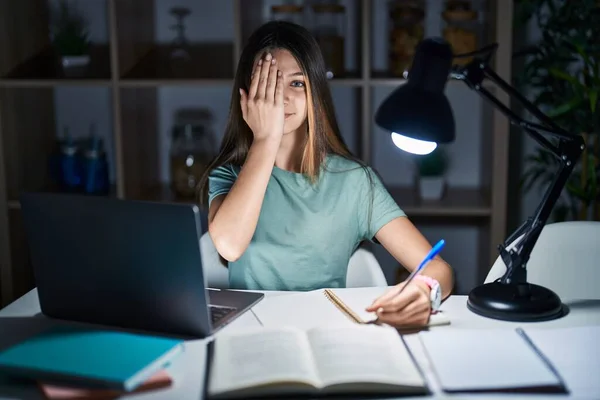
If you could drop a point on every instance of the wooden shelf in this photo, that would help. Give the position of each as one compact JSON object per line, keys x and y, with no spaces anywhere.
{"x":44,"y":69}
{"x":207,"y":62}
{"x":386,"y":79}
{"x":385,"y":76}
{"x":347,"y":79}
{"x":162,"y":193}
{"x":16,"y":204}
{"x":456,"y":202}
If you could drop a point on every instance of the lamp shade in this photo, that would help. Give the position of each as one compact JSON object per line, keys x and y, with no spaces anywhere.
{"x":418,"y":114}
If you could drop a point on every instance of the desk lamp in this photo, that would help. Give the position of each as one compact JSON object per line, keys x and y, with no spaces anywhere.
{"x":419,"y":117}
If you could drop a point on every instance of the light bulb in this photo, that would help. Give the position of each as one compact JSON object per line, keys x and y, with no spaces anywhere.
{"x":411,"y":145}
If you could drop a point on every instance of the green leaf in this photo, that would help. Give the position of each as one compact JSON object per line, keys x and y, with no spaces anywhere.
{"x":432,"y":164}
{"x":593,"y":94}
{"x":536,"y":177}
{"x":560,"y":212}
{"x":576,"y":191}
{"x":557,"y":73}
{"x":592,"y":181}
{"x":565,"y":108}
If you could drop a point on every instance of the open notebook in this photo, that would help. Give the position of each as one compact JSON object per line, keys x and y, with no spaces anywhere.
{"x":325,"y":307}
{"x":493,"y":360}
{"x":286,"y":361}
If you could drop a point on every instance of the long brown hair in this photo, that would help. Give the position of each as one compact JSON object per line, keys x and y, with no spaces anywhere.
{"x":323,"y":132}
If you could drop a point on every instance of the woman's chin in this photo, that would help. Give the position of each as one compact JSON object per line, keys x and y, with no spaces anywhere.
{"x":288,"y":131}
{"x":291,"y":127}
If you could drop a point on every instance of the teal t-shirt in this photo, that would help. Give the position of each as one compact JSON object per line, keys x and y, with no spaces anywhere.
{"x":307,"y":232}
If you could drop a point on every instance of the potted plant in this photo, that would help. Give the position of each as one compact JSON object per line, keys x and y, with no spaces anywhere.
{"x":431,"y":168}
{"x":562,"y":73}
{"x":70,"y":35}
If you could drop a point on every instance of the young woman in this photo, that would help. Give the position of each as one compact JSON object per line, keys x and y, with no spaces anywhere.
{"x":288,"y":203}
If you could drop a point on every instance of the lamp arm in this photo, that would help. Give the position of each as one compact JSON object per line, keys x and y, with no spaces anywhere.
{"x":517,"y":258}
{"x":567,"y":152}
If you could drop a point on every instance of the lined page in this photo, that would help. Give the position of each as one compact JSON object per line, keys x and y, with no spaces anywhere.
{"x":485,"y":360}
{"x":363,"y":354}
{"x":575,"y":353}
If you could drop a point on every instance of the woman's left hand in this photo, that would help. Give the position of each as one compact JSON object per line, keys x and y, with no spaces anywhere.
{"x":411,"y":308}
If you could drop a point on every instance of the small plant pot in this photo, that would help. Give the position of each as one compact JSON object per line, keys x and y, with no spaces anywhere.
{"x":431,"y":187}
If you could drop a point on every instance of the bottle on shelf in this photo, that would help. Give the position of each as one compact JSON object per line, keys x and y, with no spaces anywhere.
{"x":329,"y":28}
{"x":288,"y":12}
{"x":462,"y":28}
{"x":68,"y":171}
{"x":180,"y":43}
{"x":406,"y":31}
{"x":95,"y":178}
{"x":192,"y":149}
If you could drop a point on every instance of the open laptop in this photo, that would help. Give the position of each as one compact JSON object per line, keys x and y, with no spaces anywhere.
{"x":125,"y":263}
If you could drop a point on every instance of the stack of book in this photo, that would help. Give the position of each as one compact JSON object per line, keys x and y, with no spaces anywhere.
{"x":72,"y":363}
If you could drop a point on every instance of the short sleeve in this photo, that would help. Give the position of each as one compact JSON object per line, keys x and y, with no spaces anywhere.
{"x":376,"y":206}
{"x":220,"y":181}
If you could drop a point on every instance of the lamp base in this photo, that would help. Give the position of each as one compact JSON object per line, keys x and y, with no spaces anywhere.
{"x":523,"y":302}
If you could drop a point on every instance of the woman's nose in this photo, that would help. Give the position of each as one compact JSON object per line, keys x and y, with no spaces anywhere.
{"x":286,"y":96}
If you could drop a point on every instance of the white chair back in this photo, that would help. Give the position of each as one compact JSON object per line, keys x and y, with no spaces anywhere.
{"x":363,"y":268}
{"x":564,"y":259}
{"x":216,"y":273}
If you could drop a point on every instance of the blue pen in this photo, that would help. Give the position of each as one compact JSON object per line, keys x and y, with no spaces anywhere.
{"x":430,"y":256}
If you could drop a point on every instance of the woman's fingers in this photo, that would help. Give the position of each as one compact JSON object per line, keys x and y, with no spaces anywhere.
{"x":400,"y":301}
{"x":279,"y":89}
{"x":264,"y":75}
{"x":254,"y":79}
{"x":384,"y":298}
{"x":417,"y":315}
{"x":271,"y":82}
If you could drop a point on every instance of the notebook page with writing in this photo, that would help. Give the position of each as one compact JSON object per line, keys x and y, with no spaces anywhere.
{"x":482,"y":360}
{"x":575,"y":353}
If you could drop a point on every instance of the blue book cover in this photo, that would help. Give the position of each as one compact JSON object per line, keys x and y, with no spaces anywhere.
{"x":95,"y":358}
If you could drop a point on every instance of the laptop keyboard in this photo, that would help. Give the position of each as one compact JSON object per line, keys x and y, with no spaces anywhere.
{"x":217,"y":313}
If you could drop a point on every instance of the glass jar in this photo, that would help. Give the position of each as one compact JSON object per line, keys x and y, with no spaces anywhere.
{"x":287,"y":12}
{"x":192,"y":149}
{"x":329,"y":28}
{"x":407,"y":30}
{"x":461,"y":29}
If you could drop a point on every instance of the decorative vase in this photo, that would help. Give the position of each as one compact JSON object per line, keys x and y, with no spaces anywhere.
{"x":431,"y":187}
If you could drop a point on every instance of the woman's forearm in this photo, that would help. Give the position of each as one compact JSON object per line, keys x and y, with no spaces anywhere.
{"x":442,"y":272}
{"x":235,"y":221}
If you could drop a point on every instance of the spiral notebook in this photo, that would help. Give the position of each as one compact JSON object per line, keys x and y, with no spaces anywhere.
{"x":351,"y":303}
{"x":320,"y":307}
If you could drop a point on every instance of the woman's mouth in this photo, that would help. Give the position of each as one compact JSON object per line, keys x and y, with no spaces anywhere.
{"x":288,"y":115}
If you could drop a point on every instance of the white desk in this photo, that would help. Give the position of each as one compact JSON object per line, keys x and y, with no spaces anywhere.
{"x":188,"y":370}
